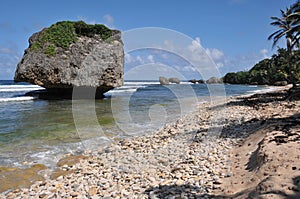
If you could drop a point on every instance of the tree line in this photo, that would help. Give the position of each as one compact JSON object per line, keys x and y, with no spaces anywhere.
{"x":285,"y":64}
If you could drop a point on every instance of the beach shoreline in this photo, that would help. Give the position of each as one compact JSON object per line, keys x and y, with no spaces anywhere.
{"x":191,"y":158}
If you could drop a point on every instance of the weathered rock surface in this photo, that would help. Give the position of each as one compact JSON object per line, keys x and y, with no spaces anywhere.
{"x":163,"y":81}
{"x":174,"y":80}
{"x":90,"y":64}
{"x":214,"y":80}
{"x":194,"y":81}
{"x":201,"y":81}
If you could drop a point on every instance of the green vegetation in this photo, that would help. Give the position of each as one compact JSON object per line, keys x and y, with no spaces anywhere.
{"x":61,"y":34}
{"x":36,"y":46}
{"x":280,"y":67}
{"x":64,"y":33}
{"x":288,"y":25}
{"x":50,"y":50}
{"x":283,"y":66}
{"x":83,"y":29}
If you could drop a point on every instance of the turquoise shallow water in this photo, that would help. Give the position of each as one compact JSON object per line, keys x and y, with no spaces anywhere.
{"x":43,"y":131}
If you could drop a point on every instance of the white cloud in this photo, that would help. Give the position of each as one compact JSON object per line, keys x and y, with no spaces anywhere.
{"x":196,"y":61}
{"x":216,"y":55}
{"x":128,"y":58}
{"x":9,"y":58}
{"x":150,"y":58}
{"x":108,"y":19}
{"x":196,"y":45}
{"x":168,"y":45}
{"x":140,"y":60}
{"x":244,"y":62}
{"x":264,"y":53}
{"x":193,"y":60}
{"x":151,"y":71}
{"x":188,"y":69}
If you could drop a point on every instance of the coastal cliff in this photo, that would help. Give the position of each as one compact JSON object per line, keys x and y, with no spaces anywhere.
{"x":71,"y":55}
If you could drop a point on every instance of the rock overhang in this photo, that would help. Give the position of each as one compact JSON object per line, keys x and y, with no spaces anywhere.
{"x":89,"y":61}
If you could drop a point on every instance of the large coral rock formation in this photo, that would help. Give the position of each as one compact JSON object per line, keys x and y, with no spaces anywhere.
{"x":71,"y":55}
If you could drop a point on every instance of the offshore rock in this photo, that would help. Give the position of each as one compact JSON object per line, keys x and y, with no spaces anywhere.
{"x":90,"y":58}
{"x":163,"y":80}
{"x":194,"y":81}
{"x":174,"y":80}
{"x":201,"y":81}
{"x":214,"y":80}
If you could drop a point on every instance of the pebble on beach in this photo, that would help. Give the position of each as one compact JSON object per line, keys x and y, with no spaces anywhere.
{"x":180,"y":160}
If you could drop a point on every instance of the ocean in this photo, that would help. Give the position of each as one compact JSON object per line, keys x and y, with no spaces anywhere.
{"x":43,"y":131}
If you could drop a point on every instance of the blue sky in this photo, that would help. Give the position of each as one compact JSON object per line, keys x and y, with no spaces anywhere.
{"x":233,"y":32}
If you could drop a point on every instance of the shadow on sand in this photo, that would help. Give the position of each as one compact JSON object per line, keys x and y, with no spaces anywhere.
{"x":188,"y":191}
{"x":256,"y":101}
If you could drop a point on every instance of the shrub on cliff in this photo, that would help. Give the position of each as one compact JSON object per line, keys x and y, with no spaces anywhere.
{"x":83,"y":29}
{"x":63,"y":34}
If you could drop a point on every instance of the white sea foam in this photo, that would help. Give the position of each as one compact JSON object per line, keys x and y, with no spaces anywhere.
{"x":122,"y":91}
{"x":263,"y":90}
{"x":14,"y":99}
{"x":130,"y":87}
{"x":18,"y":89}
{"x":150,"y":83}
{"x":266,"y":89}
{"x":127,"y":88}
{"x":19,"y":86}
{"x":140,"y":83}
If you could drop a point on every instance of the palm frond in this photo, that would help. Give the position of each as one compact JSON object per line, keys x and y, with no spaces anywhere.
{"x":288,"y":25}
{"x":273,"y":34}
{"x":276,"y":23}
{"x":275,"y":18}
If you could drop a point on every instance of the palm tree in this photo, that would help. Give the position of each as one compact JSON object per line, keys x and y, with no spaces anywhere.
{"x":295,"y":18}
{"x":285,"y":26}
{"x":289,"y":26}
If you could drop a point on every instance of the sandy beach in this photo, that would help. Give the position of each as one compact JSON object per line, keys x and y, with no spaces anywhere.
{"x":247,"y":147}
